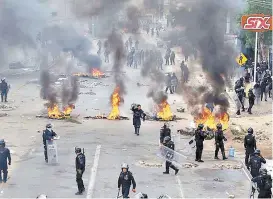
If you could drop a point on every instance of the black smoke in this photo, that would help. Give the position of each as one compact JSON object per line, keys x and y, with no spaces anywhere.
{"x":204,"y":31}
{"x":70,"y":91}
{"x":48,"y":91}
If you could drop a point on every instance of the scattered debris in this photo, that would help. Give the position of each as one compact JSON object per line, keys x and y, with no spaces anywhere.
{"x":149,"y":164}
{"x":189,"y":165}
{"x":155,"y":118}
{"x":139,"y":84}
{"x":227,"y":166}
{"x":87,"y":93}
{"x":3,"y":114}
{"x":180,"y":110}
{"x":187,"y":131}
{"x":33,"y":81}
{"x":260,"y":136}
{"x":6,"y":107}
{"x":218,"y":180}
{"x":104,"y":117}
{"x":239,"y":133}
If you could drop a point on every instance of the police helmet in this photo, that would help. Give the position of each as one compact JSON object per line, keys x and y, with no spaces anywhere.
{"x":257,"y":151}
{"x":78,"y":150}
{"x":125,"y":166}
{"x":41,"y":196}
{"x":167,"y":139}
{"x":241,"y":79}
{"x":166,"y":124}
{"x":48,"y":126}
{"x":219,"y":126}
{"x":2,"y":142}
{"x":250,"y":130}
{"x":200,"y":126}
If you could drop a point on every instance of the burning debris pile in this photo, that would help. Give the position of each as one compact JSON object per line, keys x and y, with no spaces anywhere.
{"x":69,"y":95}
{"x":95,"y":74}
{"x":116,"y":100}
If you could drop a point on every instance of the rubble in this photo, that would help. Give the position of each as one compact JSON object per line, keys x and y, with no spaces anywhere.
{"x":148,"y":164}
{"x":155,"y":118}
{"x":87,"y":93}
{"x":189,"y":165}
{"x":187,"y":131}
{"x":7,"y":107}
{"x":227,"y":166}
{"x":103,"y":117}
{"x":218,"y":180}
{"x":139,"y":84}
{"x":3,"y":114}
{"x":180,"y":110}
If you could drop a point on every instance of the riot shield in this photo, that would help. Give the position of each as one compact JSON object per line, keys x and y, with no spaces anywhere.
{"x":52,"y":152}
{"x":168,"y":154}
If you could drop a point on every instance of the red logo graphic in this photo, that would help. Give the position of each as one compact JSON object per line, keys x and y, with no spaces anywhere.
{"x":257,"y":23}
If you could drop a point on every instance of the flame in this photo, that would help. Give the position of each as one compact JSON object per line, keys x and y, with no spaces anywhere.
{"x":97,"y":73}
{"x":164,"y":112}
{"x":55,"y":113}
{"x":210,"y":120}
{"x":115,"y":100}
{"x":68,"y":109}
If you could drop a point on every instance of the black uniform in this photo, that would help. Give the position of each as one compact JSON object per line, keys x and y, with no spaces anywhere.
{"x":250,"y":146}
{"x":199,"y":139}
{"x":255,"y":164}
{"x":219,"y":142}
{"x":125,"y":180}
{"x":4,"y":90}
{"x":264,"y":184}
{"x":137,"y":115}
{"x":164,"y":132}
{"x":47,"y":136}
{"x":4,"y":156}
{"x":80,"y":168}
{"x":169,"y":164}
{"x":251,"y":100}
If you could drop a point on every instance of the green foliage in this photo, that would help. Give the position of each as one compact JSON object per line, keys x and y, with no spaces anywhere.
{"x":256,"y":7}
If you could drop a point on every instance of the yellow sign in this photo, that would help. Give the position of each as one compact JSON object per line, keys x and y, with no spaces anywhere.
{"x":241,"y":59}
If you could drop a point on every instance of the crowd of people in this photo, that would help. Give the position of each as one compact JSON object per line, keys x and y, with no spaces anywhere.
{"x":255,"y":92}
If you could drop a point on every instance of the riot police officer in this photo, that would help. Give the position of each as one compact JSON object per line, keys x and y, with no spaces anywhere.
{"x":80,"y":168}
{"x":125,"y":180}
{"x":200,"y":136}
{"x":48,"y":135}
{"x":219,"y":142}
{"x":4,"y":156}
{"x":138,"y":113}
{"x":249,"y":144}
{"x":169,"y":143}
{"x":164,"y":132}
{"x":264,"y":184}
{"x":255,"y":163}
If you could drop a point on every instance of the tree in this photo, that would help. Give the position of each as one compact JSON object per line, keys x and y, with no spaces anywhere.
{"x":264,"y":38}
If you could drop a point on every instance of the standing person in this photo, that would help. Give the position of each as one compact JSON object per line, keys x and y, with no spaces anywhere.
{"x":48,"y":135}
{"x":255,"y":163}
{"x":99,"y":46}
{"x":249,"y":144}
{"x":106,"y":55}
{"x":174,"y":82}
{"x":169,"y":83}
{"x":200,"y":136}
{"x":219,"y":142}
{"x":127,"y":45}
{"x":4,"y":88}
{"x":263,"y":90}
{"x":169,"y":143}
{"x":167,"y":59}
{"x":136,"y":44}
{"x":164,"y":132}
{"x":264,"y":184}
{"x":80,"y":168}
{"x":130,"y":42}
{"x":125,"y":180}
{"x":251,"y":100}
{"x":4,"y":156}
{"x":138,"y":113}
{"x":257,"y":92}
{"x":172,"y":58}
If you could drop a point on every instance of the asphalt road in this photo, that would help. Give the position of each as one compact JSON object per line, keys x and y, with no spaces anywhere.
{"x":107,"y":145}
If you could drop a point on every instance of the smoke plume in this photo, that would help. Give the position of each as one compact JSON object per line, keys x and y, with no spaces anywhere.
{"x":70,"y":91}
{"x":117,"y":47}
{"x":48,"y":92}
{"x":205,"y":29}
